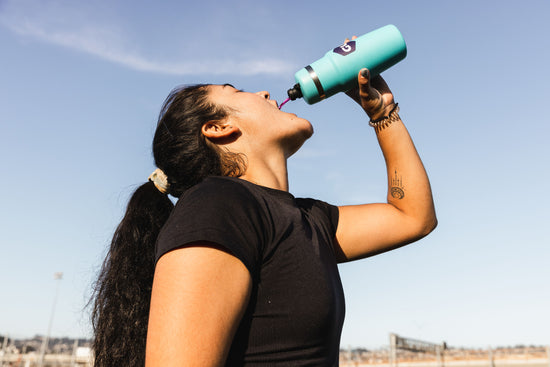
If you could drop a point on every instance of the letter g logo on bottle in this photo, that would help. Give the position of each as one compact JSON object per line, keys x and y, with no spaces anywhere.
{"x":345,"y":49}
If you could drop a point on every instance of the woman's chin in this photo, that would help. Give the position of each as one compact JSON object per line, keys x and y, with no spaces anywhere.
{"x":306,"y":127}
{"x":294,"y":144}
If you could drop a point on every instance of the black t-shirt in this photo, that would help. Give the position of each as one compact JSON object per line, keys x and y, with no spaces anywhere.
{"x":296,"y":309}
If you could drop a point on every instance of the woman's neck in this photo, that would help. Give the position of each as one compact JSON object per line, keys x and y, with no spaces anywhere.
{"x":269,"y":173}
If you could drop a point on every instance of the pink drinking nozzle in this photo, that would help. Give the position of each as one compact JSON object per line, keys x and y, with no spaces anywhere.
{"x":285,"y":101}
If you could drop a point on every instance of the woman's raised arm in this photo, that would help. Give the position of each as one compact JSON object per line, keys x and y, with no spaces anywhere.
{"x":409,"y":214}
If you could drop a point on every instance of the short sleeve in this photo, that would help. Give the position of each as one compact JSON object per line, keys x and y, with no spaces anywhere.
{"x":323,"y":214}
{"x":218,"y":211}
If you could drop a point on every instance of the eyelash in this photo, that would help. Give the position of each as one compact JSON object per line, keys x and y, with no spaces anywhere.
{"x":232,"y":86}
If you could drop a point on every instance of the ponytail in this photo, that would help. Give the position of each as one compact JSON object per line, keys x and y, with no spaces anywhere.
{"x":123,"y":290}
{"x":122,"y":293}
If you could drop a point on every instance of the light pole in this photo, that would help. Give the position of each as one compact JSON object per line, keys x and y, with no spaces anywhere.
{"x":56,"y":276}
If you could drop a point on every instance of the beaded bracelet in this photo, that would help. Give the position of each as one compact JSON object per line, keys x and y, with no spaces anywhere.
{"x":385,"y":121}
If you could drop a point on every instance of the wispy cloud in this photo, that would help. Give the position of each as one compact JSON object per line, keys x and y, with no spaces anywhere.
{"x":108,"y":42}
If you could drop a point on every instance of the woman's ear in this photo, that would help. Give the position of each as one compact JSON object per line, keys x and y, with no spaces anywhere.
{"x":215,"y":130}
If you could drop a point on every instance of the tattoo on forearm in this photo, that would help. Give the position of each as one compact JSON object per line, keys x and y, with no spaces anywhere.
{"x":397,"y":189}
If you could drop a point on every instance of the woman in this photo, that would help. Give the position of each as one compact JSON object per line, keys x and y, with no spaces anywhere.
{"x":244,"y":273}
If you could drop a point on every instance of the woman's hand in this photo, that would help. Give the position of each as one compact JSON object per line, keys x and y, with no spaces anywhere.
{"x":373,"y":95}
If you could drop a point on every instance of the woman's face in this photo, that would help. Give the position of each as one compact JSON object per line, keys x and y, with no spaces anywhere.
{"x":260,"y":121}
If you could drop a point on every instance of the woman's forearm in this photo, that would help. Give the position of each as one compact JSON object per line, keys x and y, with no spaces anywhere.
{"x":408,"y":184}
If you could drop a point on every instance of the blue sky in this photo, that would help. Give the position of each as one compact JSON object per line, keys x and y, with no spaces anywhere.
{"x":81,"y":85}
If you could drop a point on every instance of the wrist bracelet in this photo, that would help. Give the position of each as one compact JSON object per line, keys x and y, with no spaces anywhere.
{"x":385,"y":121}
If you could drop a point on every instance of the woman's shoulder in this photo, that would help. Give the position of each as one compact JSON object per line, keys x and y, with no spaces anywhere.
{"x":217,"y":190}
{"x":218,"y":210}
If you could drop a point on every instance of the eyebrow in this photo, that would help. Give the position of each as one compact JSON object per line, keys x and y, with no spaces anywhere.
{"x":232,"y":86}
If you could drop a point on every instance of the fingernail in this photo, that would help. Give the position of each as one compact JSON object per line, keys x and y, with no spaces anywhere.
{"x":365,"y":73}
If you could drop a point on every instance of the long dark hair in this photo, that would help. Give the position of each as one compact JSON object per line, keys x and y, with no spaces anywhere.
{"x":122,"y":292}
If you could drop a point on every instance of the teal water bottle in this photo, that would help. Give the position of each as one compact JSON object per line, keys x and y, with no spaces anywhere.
{"x":337,"y":70}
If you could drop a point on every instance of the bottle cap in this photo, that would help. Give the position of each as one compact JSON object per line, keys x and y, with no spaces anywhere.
{"x":295,"y":92}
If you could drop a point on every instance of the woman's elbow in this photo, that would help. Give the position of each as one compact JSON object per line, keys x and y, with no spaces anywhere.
{"x":428,"y":225}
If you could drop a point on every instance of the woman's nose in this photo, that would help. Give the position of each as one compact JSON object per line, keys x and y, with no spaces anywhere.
{"x":264,"y":94}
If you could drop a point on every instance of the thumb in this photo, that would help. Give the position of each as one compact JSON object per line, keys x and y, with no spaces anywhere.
{"x":371,"y":99}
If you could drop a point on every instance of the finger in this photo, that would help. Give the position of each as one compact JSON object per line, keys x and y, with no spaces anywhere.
{"x":354,"y":94}
{"x":371,"y":99}
{"x":352,"y":38}
{"x":380,"y":84}
{"x":366,"y":90}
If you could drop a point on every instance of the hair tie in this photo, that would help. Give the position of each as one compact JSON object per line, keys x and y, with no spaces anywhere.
{"x":159,"y":178}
